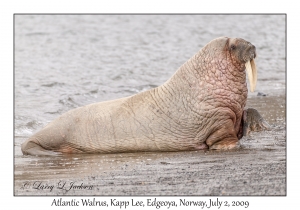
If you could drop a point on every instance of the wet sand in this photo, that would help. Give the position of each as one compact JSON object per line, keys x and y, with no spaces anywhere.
{"x":257,"y":168}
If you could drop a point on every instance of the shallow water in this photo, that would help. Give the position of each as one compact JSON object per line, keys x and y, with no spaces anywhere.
{"x":65,"y":61}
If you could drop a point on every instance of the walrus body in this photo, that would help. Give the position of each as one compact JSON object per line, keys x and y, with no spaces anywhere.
{"x":200,"y":106}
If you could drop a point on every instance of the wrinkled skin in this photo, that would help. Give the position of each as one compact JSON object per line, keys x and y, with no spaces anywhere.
{"x":201,"y":106}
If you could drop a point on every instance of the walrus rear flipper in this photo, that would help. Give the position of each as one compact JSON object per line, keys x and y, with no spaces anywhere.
{"x":32,"y":148}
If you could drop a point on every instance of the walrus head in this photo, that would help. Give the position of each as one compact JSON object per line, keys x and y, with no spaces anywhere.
{"x":245,"y":53}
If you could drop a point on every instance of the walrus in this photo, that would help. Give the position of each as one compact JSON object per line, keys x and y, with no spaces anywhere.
{"x":200,"y":107}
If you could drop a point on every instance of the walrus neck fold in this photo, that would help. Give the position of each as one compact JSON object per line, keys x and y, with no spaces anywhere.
{"x":212,"y":72}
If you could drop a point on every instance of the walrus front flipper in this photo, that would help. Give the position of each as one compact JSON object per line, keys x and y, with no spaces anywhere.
{"x":224,"y":137}
{"x":253,"y":121}
{"x":225,"y":144}
{"x":32,"y":148}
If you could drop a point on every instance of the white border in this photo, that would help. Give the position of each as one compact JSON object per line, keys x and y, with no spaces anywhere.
{"x":8,"y":8}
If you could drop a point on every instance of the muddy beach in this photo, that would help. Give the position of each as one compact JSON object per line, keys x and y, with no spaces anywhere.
{"x":85,"y":59}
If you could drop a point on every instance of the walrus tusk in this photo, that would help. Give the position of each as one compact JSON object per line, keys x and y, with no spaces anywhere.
{"x":254,"y":71}
{"x":252,"y":74}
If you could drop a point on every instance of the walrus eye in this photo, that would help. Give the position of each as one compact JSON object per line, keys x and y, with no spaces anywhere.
{"x":232,"y":47}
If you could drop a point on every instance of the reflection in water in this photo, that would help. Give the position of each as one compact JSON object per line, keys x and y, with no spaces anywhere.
{"x":80,"y":164}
